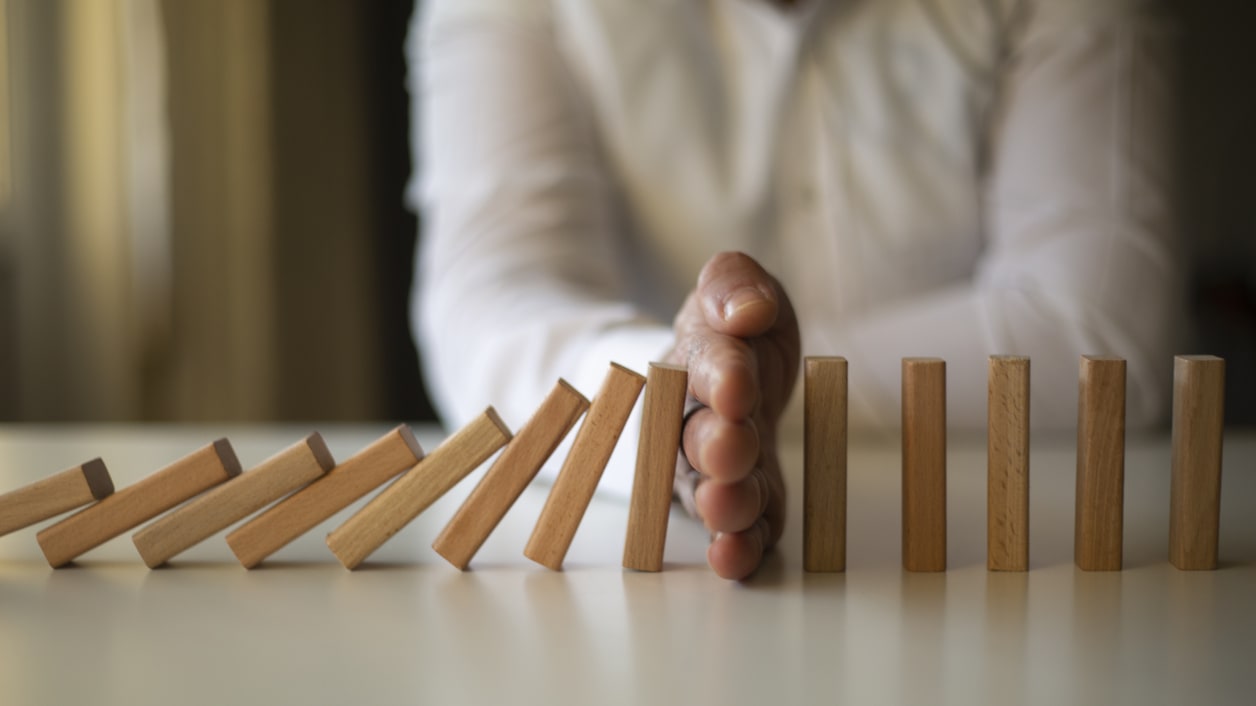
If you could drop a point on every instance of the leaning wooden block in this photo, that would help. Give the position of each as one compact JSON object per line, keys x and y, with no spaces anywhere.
{"x":54,"y":495}
{"x":510,"y":474}
{"x":233,"y":501}
{"x":582,"y":469}
{"x":662,"y":416}
{"x":924,"y":464}
{"x":1007,"y":464}
{"x":1195,"y":500}
{"x":411,"y":494}
{"x":198,"y":471}
{"x":824,"y":465}
{"x":1097,"y":531}
{"x":300,"y":512}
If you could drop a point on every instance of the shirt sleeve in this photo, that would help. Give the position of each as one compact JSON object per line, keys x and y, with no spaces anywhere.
{"x":1081,"y":247}
{"x":517,"y":282}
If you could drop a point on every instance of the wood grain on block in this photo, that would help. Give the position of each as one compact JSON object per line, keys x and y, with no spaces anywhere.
{"x":412,"y":493}
{"x":385,"y":458}
{"x":662,"y":416}
{"x":582,"y":469}
{"x":1007,"y":464}
{"x":1097,"y":531}
{"x":1195,"y":500}
{"x":824,"y":464}
{"x":54,"y":495}
{"x":231,"y":502}
{"x":137,"y":503}
{"x":510,"y":474}
{"x":924,"y":464}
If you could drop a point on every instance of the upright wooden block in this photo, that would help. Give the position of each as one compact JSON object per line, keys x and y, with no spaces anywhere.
{"x":140,"y":502}
{"x":924,"y":464}
{"x":824,"y":464}
{"x":411,"y":494}
{"x":300,"y":512}
{"x":54,"y":495}
{"x":1195,"y":500}
{"x":510,"y":474}
{"x":1007,"y":464}
{"x":662,"y":416}
{"x":233,"y":501}
{"x":582,"y":469}
{"x":1097,"y":532}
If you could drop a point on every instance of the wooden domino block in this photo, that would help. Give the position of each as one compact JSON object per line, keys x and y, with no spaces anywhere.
{"x":824,"y":464}
{"x":1097,"y":531}
{"x":124,"y":510}
{"x":582,"y":469}
{"x":1007,"y":464}
{"x":411,"y":494}
{"x":54,"y":495}
{"x":924,"y":464}
{"x":231,"y":502}
{"x":662,"y":416}
{"x":510,"y":474}
{"x":1195,"y":500}
{"x":383,"y":459}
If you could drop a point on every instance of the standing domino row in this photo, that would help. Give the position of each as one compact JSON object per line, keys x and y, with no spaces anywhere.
{"x":1196,"y":467}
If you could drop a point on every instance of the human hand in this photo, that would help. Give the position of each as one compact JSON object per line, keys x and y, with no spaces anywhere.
{"x":738,"y":336}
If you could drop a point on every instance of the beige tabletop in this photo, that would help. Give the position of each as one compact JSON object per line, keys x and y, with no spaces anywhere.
{"x":408,"y":628}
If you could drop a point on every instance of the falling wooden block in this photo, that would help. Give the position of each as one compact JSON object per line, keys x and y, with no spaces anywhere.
{"x":924,"y":464}
{"x":1195,"y":500}
{"x":54,"y":495}
{"x":411,"y":494}
{"x":1097,"y":532}
{"x":510,"y":474}
{"x":233,"y":501}
{"x":300,"y":512}
{"x":582,"y":469}
{"x":1007,"y":464}
{"x":824,"y":464}
{"x":89,"y":528}
{"x":662,"y":416}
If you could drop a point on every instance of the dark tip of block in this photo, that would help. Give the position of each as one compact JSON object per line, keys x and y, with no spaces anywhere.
{"x":572,"y":388}
{"x":505,"y":430}
{"x":227,"y":455}
{"x":635,"y":374}
{"x":668,"y":366}
{"x":407,"y":436}
{"x":97,"y":477}
{"x":319,"y":448}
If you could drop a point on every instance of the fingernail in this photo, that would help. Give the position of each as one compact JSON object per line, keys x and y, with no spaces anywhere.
{"x":740,"y":299}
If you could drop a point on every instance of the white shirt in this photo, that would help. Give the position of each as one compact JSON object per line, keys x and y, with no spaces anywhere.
{"x":952,"y":178}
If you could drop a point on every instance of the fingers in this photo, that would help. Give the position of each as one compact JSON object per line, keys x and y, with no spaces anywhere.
{"x":738,"y":336}
{"x":735,"y":555}
{"x":735,"y":506}
{"x":723,"y":373}
{"x":718,"y":448}
{"x":738,"y":297}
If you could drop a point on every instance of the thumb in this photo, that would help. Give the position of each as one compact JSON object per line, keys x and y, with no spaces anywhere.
{"x":738,"y":297}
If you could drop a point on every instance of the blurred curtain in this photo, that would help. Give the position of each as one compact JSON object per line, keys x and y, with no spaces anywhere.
{"x":189,"y":213}
{"x":73,"y":309}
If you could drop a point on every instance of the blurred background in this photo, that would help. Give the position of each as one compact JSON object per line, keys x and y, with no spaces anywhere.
{"x":202,"y":219}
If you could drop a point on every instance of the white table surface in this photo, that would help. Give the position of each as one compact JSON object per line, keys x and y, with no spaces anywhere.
{"x":408,"y":628}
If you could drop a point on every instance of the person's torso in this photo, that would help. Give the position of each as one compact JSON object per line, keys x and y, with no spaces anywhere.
{"x":840,"y":143}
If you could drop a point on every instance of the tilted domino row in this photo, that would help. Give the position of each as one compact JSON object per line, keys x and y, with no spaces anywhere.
{"x":316,"y":488}
{"x":310,"y":487}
